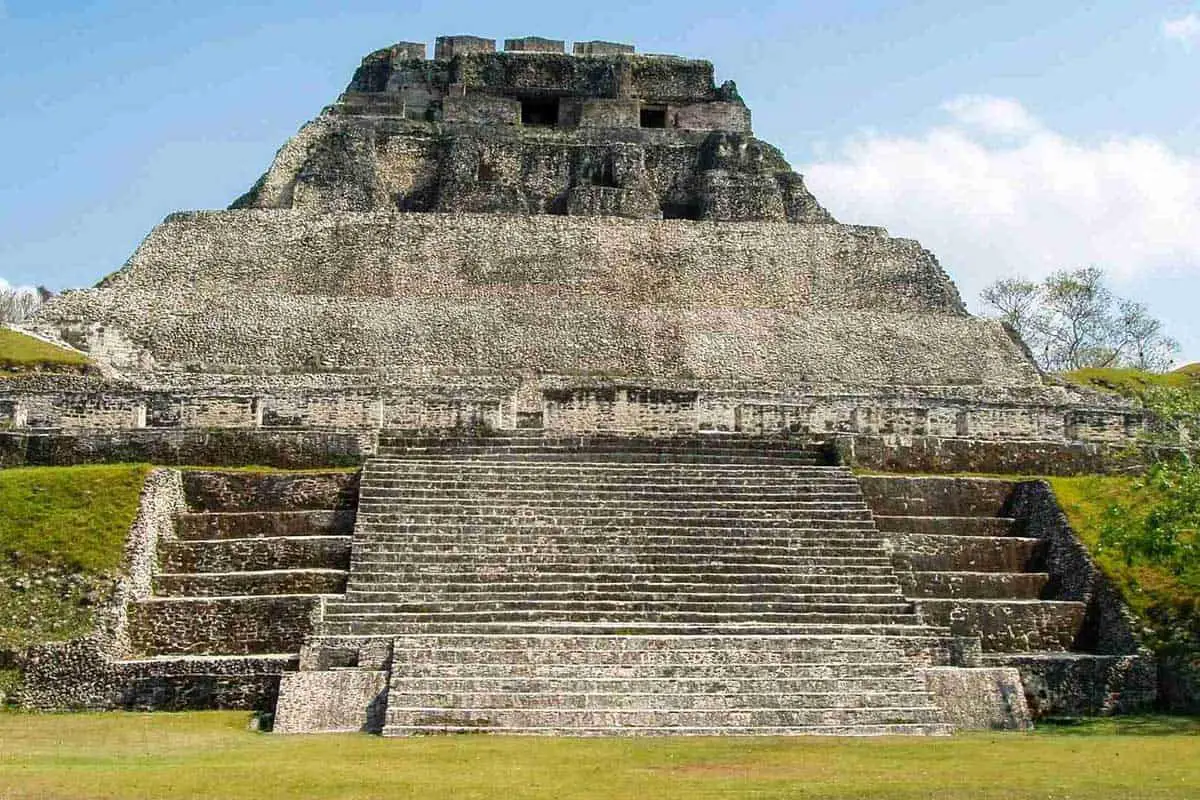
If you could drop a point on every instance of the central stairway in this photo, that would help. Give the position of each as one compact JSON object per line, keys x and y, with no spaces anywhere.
{"x":618,"y":585}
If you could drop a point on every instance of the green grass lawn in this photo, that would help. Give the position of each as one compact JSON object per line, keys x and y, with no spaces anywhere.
{"x":62,"y":537}
{"x":21,"y":353}
{"x":200,"y":755}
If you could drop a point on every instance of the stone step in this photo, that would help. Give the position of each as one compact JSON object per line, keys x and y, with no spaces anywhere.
{"x":951,"y":526}
{"x":1082,"y":684}
{"x":911,"y":635}
{"x":935,"y":553}
{"x":851,"y":530}
{"x":200,"y":683}
{"x":1009,"y":626}
{"x":713,"y":717}
{"x":220,"y":625}
{"x":627,"y":606}
{"x":552,"y":560}
{"x":403,"y":696}
{"x":255,"y":554}
{"x":467,"y":510}
{"x":587,"y":497}
{"x":666,"y":670}
{"x":400,"y":522}
{"x":891,"y":495}
{"x":558,"y":549}
{"x":499,"y":469}
{"x":740,"y":644}
{"x":366,"y":573}
{"x":422,"y":536}
{"x":731,"y":581}
{"x":542,"y":455}
{"x":288,"y":581}
{"x":247,"y":524}
{"x":609,"y":484}
{"x":395,"y":623}
{"x":901,"y":682}
{"x":526,"y":515}
{"x":901,"y":729}
{"x":374,"y":480}
{"x":538,"y":594}
{"x":978,"y":585}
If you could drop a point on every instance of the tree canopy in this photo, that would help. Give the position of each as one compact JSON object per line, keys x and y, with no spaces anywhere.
{"x":1072,"y":320}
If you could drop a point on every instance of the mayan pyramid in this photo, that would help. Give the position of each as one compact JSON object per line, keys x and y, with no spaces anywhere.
{"x":570,"y":242}
{"x":601,"y":365}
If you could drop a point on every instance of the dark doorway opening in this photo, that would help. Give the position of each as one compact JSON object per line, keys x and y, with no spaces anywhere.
{"x":605,"y":174}
{"x":681,"y":211}
{"x":539,"y":111}
{"x":654,"y":117}
{"x":487,"y":173}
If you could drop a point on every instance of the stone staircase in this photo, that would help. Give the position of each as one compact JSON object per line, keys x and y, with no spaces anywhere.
{"x":621,"y":585}
{"x":971,"y":560}
{"x":236,"y":590}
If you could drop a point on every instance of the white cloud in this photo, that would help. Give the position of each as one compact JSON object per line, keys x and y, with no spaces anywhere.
{"x":993,"y":115}
{"x":1027,"y":205}
{"x":1185,"y":29}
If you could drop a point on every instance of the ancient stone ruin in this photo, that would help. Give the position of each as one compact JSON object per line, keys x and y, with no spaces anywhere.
{"x":605,"y":363}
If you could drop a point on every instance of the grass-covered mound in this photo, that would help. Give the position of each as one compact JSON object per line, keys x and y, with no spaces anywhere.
{"x":21,"y":353}
{"x":62,"y":536}
{"x":202,"y":755}
{"x":1144,"y":532}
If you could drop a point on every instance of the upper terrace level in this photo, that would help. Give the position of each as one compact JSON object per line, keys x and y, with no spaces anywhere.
{"x":533,"y":82}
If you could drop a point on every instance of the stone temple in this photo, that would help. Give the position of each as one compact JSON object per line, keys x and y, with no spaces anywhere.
{"x":605,"y":363}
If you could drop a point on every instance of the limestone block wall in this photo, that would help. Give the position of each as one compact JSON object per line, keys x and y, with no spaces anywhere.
{"x":566,"y":403}
{"x":275,"y":291}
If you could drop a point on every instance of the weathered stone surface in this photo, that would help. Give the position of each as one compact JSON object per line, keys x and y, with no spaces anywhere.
{"x":258,"y":492}
{"x":332,"y":701}
{"x":1083,"y":684}
{"x":980,"y":699}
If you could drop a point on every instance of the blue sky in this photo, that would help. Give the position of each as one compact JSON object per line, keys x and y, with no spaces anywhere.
{"x":1009,"y":137}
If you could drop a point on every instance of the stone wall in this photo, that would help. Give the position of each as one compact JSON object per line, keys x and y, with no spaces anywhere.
{"x":417,"y":294}
{"x":183,"y":447}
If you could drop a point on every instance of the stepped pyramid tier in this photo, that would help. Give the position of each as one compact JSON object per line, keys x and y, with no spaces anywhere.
{"x":527,"y":238}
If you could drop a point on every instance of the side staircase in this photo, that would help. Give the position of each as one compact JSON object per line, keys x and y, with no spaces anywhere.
{"x":971,"y":560}
{"x":619,"y":585}
{"x":236,"y":590}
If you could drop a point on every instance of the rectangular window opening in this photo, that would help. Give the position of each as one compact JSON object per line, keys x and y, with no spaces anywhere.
{"x":539,"y":111}
{"x":654,"y":117}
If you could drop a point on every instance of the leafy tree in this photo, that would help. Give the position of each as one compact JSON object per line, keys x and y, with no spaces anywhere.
{"x":1072,"y":320}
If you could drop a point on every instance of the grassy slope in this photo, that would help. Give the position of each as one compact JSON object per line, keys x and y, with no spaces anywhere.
{"x":62,"y":535}
{"x":22,"y":353}
{"x":1132,"y":382}
{"x":1085,"y":499}
{"x":213,"y":755}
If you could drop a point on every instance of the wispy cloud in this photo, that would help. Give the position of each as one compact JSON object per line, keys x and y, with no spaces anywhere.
{"x":1185,"y":29}
{"x":1029,"y":203}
